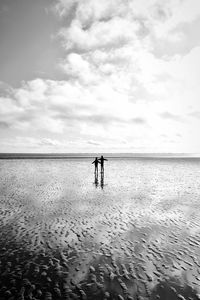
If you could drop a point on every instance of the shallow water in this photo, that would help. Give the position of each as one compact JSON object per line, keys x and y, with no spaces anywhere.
{"x":135,"y":234}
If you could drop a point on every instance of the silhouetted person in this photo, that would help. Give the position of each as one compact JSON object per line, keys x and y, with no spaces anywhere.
{"x":96,"y":162}
{"x":101,"y":161}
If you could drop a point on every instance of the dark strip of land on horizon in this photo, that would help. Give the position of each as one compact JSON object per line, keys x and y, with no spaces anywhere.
{"x":91,"y":155}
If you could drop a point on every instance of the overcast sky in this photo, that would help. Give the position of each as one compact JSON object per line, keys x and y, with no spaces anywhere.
{"x":100,"y":76}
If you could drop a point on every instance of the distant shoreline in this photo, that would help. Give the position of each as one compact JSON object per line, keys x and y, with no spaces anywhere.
{"x":92,"y":155}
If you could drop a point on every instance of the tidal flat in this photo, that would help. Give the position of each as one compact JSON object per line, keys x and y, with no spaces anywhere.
{"x":134,"y":236}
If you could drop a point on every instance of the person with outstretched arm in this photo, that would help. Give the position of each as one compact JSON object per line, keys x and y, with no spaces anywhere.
{"x":96,"y":162}
{"x":101,"y":161}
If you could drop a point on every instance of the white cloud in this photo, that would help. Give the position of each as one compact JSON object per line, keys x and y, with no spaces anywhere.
{"x":93,"y":10}
{"x":107,"y":111}
{"x":113,"y":33}
{"x":117,"y":93}
{"x":161,"y":17}
{"x":64,"y":7}
{"x":76,"y":66}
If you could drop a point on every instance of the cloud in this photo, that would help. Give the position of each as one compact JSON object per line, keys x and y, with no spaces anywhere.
{"x":110,"y":34}
{"x":170,"y":116}
{"x":112,"y":49}
{"x":75,"y":66}
{"x":64,"y":7}
{"x":89,"y":11}
{"x":50,"y":142}
{"x":195,"y":114}
{"x":4,"y":124}
{"x":94,"y":143}
{"x":160,"y":18}
{"x":139,"y":121}
{"x":114,"y":80}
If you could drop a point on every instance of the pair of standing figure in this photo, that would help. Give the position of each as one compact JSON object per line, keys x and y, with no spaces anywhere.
{"x":98,"y":161}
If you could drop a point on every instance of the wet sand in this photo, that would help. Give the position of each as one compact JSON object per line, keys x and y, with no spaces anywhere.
{"x":64,"y":238}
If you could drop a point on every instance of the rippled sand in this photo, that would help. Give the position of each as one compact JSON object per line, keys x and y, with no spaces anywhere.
{"x":136,"y":237}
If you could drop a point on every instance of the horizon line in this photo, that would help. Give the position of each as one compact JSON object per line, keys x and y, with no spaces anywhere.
{"x":7,"y":155}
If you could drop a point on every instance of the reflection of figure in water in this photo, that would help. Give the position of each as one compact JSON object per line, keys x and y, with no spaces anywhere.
{"x":102,"y":180}
{"x":96,"y":162}
{"x":101,"y":161}
{"x":96,"y":182}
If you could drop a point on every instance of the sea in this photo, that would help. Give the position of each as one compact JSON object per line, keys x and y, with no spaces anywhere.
{"x":133,"y":231}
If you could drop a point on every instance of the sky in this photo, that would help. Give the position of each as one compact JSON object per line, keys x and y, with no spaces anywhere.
{"x":100,"y":76}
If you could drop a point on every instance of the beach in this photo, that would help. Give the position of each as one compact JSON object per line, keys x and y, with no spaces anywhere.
{"x":134,"y":236}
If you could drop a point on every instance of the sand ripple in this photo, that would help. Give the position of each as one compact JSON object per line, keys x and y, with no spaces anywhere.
{"x":61,"y":238}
